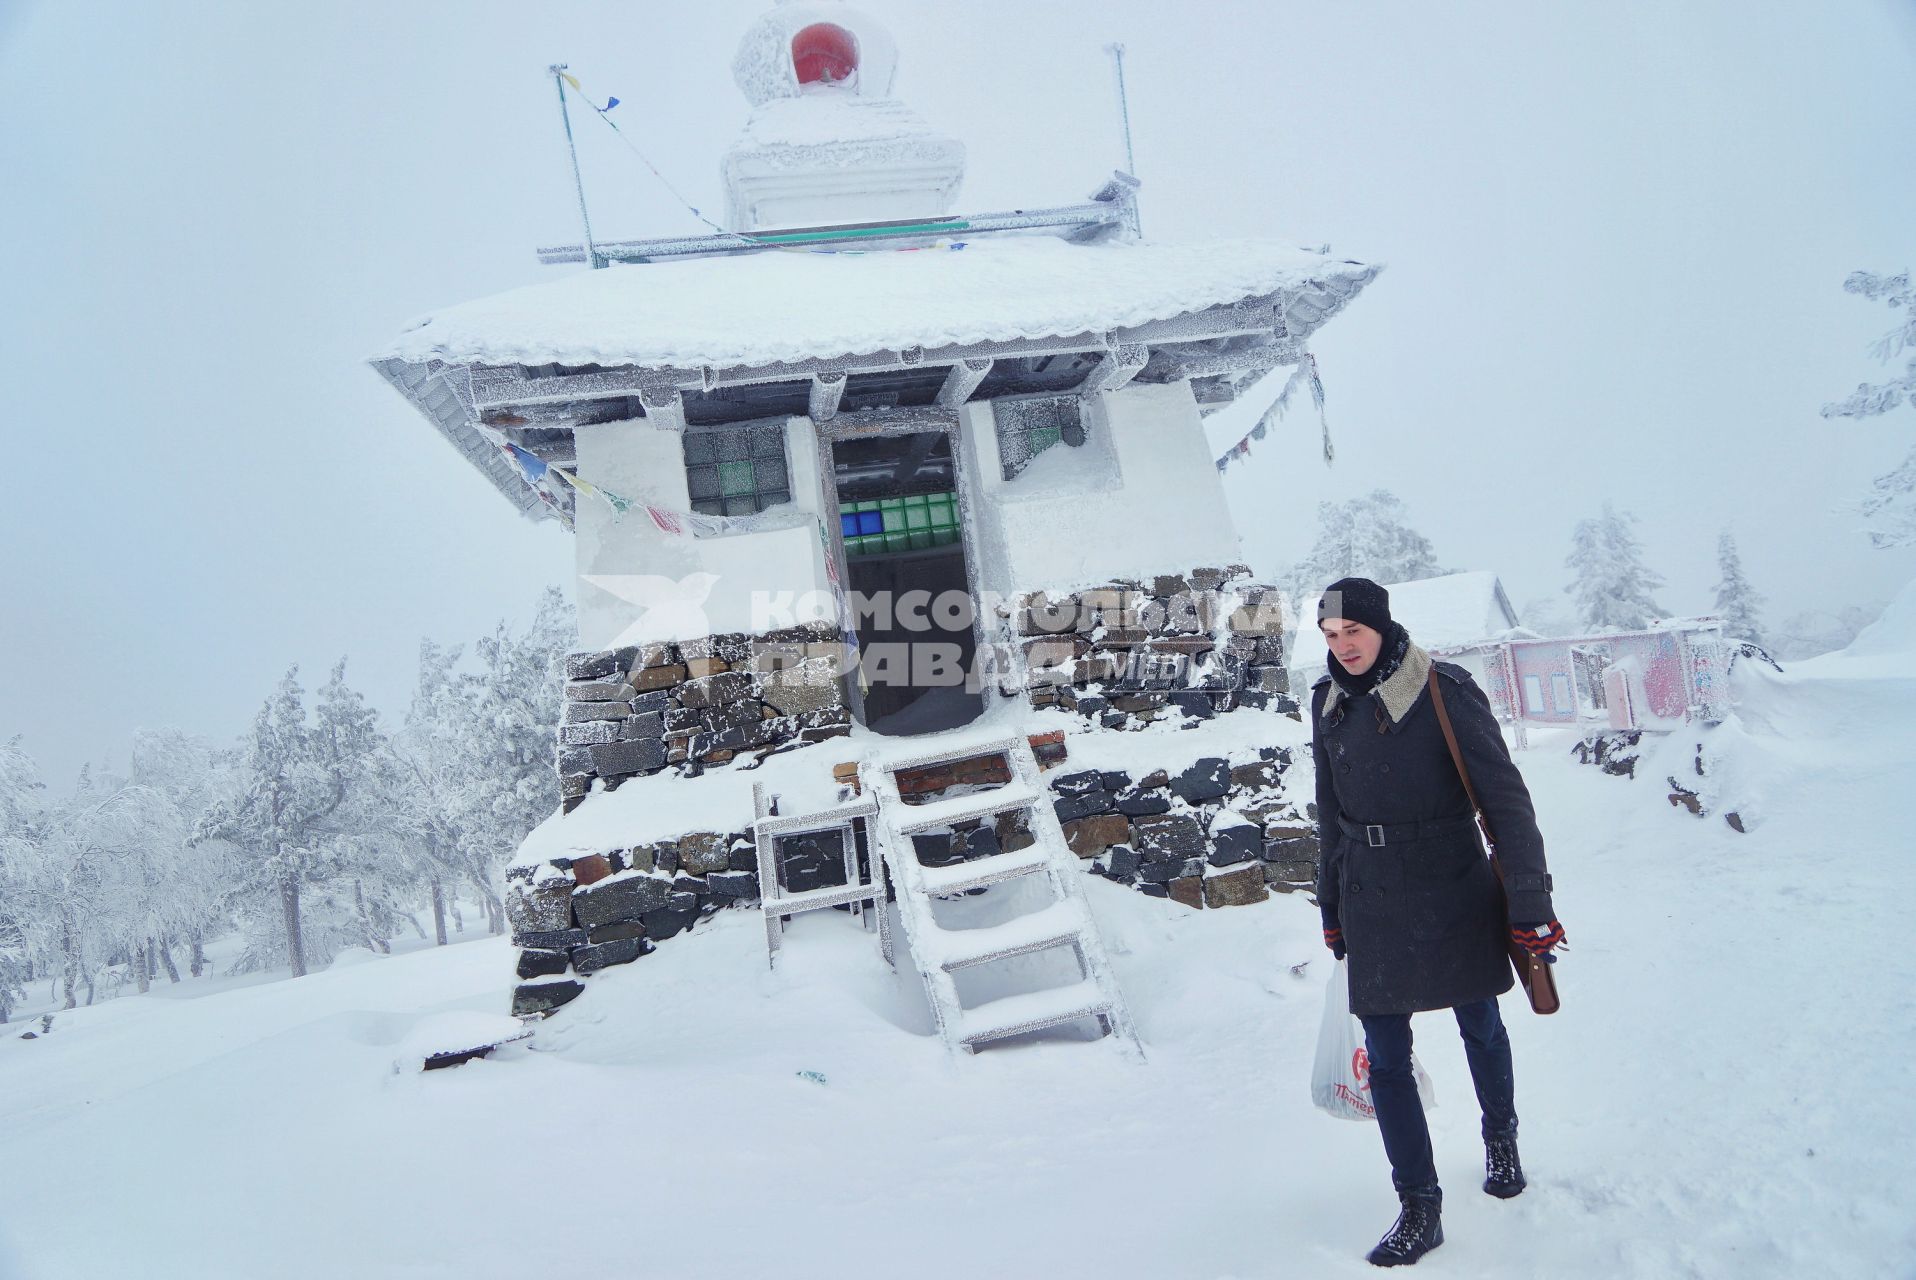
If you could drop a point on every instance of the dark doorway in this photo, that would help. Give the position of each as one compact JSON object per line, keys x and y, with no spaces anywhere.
{"x":905,"y":565}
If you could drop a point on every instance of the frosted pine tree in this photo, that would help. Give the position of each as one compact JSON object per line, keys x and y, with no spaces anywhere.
{"x":513,"y":705}
{"x":20,"y":803}
{"x":1891,"y":507}
{"x":1612,"y":585}
{"x":1736,"y":601}
{"x":291,"y":823}
{"x":189,"y":772}
{"x":434,"y":756}
{"x":1366,"y":537}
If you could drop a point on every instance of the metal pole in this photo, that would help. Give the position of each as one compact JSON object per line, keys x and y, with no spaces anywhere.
{"x":591,"y":251}
{"x":1124,"y":108}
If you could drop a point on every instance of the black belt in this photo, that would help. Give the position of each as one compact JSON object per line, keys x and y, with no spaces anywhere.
{"x":1378,"y":834}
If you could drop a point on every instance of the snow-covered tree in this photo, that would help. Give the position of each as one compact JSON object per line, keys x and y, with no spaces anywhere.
{"x":1737,"y":603}
{"x":1366,"y":537}
{"x":189,"y":772}
{"x":1612,"y":585}
{"x":21,"y":803}
{"x":296,"y":821}
{"x":87,"y":881}
{"x":475,"y":757}
{"x":1891,"y":506}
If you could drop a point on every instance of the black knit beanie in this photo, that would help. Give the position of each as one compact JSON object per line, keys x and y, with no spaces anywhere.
{"x":1358,"y":599}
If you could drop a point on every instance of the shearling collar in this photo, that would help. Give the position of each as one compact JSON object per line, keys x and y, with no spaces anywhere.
{"x":1398,"y":692}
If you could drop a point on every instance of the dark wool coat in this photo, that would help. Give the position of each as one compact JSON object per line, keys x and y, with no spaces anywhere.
{"x":1422,"y":916}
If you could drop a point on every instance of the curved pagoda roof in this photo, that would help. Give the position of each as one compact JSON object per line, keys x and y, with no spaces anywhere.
{"x":751,"y":331}
{"x":790,"y":307}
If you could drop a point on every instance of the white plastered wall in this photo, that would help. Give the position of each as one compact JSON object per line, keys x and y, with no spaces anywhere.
{"x":1142,"y":495}
{"x":686,"y":586}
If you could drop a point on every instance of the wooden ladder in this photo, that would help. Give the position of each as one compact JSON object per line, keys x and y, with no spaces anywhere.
{"x":940,"y":952}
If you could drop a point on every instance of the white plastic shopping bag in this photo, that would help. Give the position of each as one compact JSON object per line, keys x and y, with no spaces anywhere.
{"x":1340,"y":1082}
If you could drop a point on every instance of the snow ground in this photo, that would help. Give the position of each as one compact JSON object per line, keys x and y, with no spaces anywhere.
{"x":1719,"y":1097}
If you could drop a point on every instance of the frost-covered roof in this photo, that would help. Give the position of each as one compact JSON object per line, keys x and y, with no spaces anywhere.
{"x":768,"y":307}
{"x":1457,"y":609}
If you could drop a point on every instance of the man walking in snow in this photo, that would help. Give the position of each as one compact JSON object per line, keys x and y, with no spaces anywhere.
{"x":1406,"y":892}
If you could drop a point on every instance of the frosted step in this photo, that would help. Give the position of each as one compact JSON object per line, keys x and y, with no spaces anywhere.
{"x":1059,"y":923}
{"x":983,"y":804}
{"x":836,"y":895}
{"x":1033,"y":1011}
{"x":979,"y":872}
{"x":981,"y":747}
{"x":787,"y":823}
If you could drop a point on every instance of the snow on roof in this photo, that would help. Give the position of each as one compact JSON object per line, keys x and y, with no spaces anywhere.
{"x":771,"y":306}
{"x":1457,"y":609}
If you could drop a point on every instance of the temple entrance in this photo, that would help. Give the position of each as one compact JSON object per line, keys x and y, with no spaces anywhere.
{"x":899,"y":524}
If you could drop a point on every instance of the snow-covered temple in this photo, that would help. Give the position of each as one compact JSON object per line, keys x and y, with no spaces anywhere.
{"x":883,"y":512}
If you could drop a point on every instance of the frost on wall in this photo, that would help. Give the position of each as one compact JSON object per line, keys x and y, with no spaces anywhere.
{"x":1030,"y":425}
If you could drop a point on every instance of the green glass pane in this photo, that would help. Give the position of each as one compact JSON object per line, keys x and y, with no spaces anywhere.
{"x":897,"y":541}
{"x":943,"y":537}
{"x":1043,"y":438}
{"x":917,"y":518}
{"x":735,"y":478}
{"x":920,"y":538}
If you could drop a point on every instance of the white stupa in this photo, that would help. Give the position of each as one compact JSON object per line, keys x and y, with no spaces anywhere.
{"x":827,"y":142}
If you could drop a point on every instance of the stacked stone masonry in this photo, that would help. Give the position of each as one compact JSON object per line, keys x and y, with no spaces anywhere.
{"x":1212,"y":834}
{"x":1134,"y":650}
{"x":1190,"y":646}
{"x":638,"y":710}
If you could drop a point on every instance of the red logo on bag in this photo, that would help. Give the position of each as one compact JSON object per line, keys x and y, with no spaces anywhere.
{"x":1360,"y":1068}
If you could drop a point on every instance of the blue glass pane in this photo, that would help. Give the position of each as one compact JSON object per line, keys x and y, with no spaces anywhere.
{"x":848,"y":524}
{"x":871,"y":522}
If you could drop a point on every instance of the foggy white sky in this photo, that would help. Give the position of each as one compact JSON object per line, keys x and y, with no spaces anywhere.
{"x":1616,"y":236}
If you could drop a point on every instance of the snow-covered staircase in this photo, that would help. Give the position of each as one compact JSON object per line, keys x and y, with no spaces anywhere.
{"x":940,"y":952}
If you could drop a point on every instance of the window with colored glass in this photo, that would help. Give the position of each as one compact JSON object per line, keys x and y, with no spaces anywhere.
{"x":914,"y":523}
{"x":737,"y":470}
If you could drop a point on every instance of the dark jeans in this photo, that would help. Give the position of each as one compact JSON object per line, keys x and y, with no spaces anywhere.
{"x":1393,"y":1088}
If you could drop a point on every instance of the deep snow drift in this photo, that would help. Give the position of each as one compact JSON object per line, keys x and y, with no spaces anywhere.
{"x":1720,"y":1096}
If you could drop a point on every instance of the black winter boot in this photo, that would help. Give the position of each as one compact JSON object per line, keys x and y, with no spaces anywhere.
{"x":1416,"y":1232}
{"x":1503,"y":1172}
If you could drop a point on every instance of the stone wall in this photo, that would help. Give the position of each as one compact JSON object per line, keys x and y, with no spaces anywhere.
{"x":572,"y":917}
{"x":1211,"y":834}
{"x":634,"y":711}
{"x":1133,"y":650}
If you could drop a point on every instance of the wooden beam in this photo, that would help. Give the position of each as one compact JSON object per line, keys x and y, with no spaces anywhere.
{"x":828,"y":389}
{"x":1114,"y":368}
{"x":1256,"y":360}
{"x":664,"y":407}
{"x":963,"y":379}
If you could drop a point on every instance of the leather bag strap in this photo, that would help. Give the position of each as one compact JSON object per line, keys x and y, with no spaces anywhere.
{"x":1457,"y":758}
